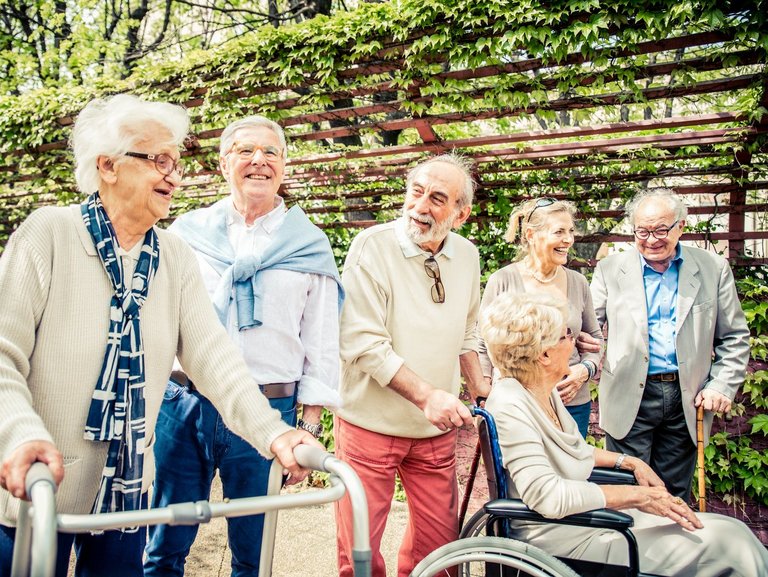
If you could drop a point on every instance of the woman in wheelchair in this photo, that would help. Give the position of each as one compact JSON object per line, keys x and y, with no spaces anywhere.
{"x":548,"y":462}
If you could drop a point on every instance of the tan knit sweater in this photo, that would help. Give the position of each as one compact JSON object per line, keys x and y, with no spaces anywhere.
{"x":389,"y":320}
{"x":54,"y":298}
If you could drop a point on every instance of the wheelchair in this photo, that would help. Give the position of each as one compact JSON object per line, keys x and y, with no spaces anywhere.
{"x":34,"y":552}
{"x":486,"y":545}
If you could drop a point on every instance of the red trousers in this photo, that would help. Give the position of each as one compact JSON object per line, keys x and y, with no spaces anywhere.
{"x":427,"y":468}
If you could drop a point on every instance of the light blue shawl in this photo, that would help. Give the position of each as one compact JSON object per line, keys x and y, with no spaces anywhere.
{"x":298,"y":245}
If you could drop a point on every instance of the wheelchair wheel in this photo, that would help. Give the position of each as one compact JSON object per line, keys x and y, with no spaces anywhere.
{"x":491,"y":556}
{"x":475,"y":526}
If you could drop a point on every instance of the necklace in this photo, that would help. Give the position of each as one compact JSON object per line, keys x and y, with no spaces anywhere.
{"x":550,"y":411}
{"x":553,"y":416}
{"x":535,"y":276}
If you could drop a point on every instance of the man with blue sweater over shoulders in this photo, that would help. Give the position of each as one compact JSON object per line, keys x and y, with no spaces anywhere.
{"x":273,"y":281}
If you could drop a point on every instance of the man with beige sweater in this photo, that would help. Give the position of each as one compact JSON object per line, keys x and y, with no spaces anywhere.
{"x":407,"y":330}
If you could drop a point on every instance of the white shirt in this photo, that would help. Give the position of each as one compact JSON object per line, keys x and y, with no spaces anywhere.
{"x":299,"y":337}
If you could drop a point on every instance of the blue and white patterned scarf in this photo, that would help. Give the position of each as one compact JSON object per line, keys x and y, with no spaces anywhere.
{"x":117,"y":407}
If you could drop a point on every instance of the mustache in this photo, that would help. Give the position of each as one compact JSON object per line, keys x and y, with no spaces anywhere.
{"x":423,"y":218}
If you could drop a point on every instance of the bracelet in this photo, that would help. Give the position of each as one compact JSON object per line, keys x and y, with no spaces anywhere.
{"x":591,"y":369}
{"x":620,"y":460}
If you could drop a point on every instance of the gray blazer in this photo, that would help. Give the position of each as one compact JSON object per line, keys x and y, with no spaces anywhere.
{"x":712,"y":340}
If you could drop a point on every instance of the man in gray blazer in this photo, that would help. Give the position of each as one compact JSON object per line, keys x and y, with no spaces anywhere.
{"x":677,"y":339}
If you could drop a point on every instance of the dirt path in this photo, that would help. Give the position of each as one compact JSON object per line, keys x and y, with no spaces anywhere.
{"x":306,"y":538}
{"x":305,"y":543}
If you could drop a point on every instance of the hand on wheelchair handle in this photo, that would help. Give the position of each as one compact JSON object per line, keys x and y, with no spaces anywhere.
{"x":445,"y":411}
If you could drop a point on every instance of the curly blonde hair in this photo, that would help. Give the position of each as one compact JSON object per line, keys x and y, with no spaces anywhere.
{"x":531,"y":215}
{"x":517,"y":328}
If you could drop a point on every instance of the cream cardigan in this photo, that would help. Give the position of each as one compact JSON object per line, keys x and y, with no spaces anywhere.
{"x":54,"y":298}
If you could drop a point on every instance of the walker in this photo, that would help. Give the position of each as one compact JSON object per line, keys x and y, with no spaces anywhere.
{"x":34,"y":552}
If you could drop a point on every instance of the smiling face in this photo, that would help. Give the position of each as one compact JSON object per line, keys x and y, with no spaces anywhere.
{"x":653,"y":214}
{"x":550,"y":243}
{"x":431,"y":207}
{"x":137,"y":194}
{"x":254,"y":182}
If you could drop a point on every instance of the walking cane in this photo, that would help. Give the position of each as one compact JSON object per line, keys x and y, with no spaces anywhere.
{"x":470,"y":484}
{"x":700,"y":455}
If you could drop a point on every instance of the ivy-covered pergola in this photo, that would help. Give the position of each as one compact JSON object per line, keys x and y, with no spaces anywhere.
{"x":579,"y":99}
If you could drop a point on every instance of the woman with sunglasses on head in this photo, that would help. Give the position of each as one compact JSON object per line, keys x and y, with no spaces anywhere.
{"x":96,"y":303}
{"x":544,"y":229}
{"x":547,"y":462}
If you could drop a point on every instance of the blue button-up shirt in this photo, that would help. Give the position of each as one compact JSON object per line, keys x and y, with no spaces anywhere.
{"x":661,"y":304}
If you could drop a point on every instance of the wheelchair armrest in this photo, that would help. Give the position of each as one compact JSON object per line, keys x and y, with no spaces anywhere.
{"x":603,"y":476}
{"x":597,"y":519}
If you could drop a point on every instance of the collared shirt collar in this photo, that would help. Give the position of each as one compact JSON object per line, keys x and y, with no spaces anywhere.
{"x":269,"y":222}
{"x":678,"y":258}
{"x":411,"y":249}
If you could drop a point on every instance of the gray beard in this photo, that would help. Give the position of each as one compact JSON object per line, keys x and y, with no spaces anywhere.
{"x":436,"y":233}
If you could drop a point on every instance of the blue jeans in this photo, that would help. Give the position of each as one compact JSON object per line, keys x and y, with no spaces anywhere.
{"x":191,"y":443}
{"x":580,"y":414}
{"x":111,"y":554}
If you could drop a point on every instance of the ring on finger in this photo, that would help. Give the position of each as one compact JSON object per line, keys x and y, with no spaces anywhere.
{"x":679,"y":501}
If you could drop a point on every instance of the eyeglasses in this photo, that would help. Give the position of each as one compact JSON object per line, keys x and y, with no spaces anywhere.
{"x":247,"y":150}
{"x":568,"y":335}
{"x":661,"y":232}
{"x":433,"y":271}
{"x":540,"y":203}
{"x":164,"y":164}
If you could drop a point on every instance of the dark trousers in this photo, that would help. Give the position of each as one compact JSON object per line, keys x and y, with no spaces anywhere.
{"x":111,"y":554}
{"x":191,"y":443}
{"x":660,"y":437}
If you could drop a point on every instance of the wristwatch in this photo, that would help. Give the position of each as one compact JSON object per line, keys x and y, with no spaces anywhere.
{"x":315,"y":430}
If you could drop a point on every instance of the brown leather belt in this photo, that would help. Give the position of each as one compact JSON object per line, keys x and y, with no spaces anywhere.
{"x":664,"y":377}
{"x":271,"y":390}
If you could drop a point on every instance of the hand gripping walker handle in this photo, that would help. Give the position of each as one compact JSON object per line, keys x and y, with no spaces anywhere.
{"x":34,"y":548}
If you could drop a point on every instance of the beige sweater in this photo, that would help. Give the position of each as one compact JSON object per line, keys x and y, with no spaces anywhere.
{"x":389,"y":320}
{"x":54,"y":298}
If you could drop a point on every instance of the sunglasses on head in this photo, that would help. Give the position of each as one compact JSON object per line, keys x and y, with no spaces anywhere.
{"x":540,"y":203}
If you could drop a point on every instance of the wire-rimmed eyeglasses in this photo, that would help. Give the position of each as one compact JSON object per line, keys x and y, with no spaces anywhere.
{"x":660,"y":232}
{"x":164,"y":164}
{"x":540,"y":203}
{"x":568,"y":334}
{"x":433,"y":272}
{"x":247,"y":150}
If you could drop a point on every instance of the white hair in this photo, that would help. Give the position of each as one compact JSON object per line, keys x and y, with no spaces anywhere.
{"x":462,"y":163}
{"x":672,"y":199}
{"x":255,"y":121}
{"x":112,"y":126}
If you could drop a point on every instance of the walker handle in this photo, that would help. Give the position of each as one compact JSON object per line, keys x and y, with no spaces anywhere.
{"x":311,"y":457}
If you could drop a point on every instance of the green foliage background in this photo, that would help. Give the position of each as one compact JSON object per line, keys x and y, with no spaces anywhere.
{"x":413,"y":42}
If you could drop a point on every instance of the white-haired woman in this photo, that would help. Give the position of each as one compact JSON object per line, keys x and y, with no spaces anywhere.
{"x":96,"y":304}
{"x":543,"y":228}
{"x":548,"y":462}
